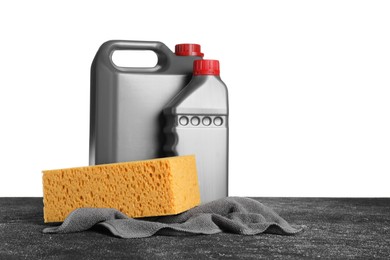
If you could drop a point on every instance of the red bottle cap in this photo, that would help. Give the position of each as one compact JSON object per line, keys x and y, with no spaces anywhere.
{"x":188,"y":49}
{"x":206,"y":67}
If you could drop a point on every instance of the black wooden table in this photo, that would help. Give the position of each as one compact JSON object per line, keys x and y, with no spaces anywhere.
{"x":336,"y":228}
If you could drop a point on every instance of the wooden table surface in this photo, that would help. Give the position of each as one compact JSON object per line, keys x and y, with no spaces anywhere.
{"x":336,"y":228}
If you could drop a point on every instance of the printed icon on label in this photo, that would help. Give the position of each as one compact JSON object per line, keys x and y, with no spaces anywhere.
{"x":183,"y":120}
{"x":195,"y":120}
{"x":218,"y":121}
{"x":206,"y":121}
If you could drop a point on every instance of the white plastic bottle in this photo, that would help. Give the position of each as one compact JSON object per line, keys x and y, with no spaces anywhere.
{"x":126,"y":102}
{"x":197,"y":123}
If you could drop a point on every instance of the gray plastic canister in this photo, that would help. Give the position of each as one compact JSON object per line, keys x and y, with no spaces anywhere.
{"x":197,"y":123}
{"x":126,"y":103}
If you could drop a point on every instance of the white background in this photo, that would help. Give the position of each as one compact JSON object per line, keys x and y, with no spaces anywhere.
{"x":309,"y":86}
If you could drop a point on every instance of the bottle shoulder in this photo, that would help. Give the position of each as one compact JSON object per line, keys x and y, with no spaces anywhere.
{"x":202,"y":94}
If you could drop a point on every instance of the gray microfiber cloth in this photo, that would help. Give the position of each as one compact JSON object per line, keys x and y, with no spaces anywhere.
{"x":237,"y":215}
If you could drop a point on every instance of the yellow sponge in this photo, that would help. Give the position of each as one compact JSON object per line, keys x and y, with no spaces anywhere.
{"x":155,"y":187}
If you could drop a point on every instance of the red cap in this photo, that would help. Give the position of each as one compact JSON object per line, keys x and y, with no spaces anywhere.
{"x":206,"y":67}
{"x":188,"y":49}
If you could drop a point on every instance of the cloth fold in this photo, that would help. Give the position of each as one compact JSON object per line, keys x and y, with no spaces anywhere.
{"x":237,"y":215}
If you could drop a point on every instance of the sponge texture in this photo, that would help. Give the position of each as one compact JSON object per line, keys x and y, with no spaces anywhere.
{"x":156,"y":187}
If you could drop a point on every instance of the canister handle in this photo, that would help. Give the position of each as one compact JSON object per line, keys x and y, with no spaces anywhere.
{"x":164,"y":54}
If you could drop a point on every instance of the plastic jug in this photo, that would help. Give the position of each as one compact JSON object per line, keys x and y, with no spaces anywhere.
{"x":126,"y":103}
{"x":197,"y":123}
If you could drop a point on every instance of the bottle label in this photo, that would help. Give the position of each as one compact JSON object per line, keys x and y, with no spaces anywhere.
{"x":201,"y":120}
